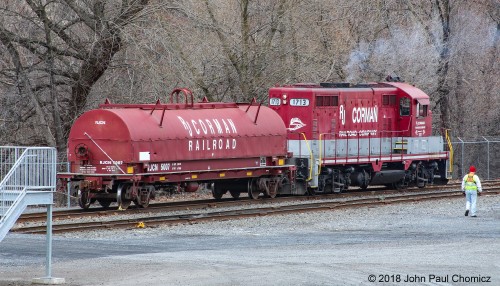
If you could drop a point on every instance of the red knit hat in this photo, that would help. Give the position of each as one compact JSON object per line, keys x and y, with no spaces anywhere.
{"x":472,"y":169}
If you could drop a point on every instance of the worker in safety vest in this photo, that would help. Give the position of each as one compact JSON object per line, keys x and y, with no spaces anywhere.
{"x":471,"y":186}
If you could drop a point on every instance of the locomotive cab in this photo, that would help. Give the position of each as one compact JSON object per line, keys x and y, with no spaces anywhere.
{"x":414,"y":116}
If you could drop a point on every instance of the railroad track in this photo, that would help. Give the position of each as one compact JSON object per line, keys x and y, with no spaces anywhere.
{"x":227,"y":202}
{"x":154,"y":221}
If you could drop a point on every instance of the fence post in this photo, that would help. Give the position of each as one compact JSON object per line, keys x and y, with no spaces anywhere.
{"x":68,"y":187}
{"x":488,"y":144}
{"x":48,"y":258}
{"x":461,"y":158}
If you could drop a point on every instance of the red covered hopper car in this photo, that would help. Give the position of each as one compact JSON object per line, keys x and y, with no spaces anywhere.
{"x":123,"y":152}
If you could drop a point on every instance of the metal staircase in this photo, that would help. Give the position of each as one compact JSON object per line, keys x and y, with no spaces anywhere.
{"x":28,"y":177}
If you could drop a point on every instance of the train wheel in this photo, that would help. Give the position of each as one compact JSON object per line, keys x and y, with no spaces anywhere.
{"x":397,"y":185}
{"x":253,"y":191}
{"x":217,"y":194}
{"x":84,"y":199}
{"x":104,"y":203}
{"x":422,"y":184}
{"x":254,"y":194}
{"x":422,"y":177}
{"x":235,"y":194}
{"x":123,"y":203}
{"x":366,"y":180}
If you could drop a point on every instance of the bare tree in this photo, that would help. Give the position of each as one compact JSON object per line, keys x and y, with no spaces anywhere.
{"x":223,"y":49}
{"x":427,"y":14}
{"x":246,"y":42}
{"x":58,"y":50}
{"x":61,"y":57}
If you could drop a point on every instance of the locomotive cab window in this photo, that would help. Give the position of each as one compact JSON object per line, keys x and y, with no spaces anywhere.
{"x":404,"y":106}
{"x":389,"y":99}
{"x":422,"y":110}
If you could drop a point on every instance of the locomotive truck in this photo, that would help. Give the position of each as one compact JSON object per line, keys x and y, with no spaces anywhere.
{"x":311,"y":138}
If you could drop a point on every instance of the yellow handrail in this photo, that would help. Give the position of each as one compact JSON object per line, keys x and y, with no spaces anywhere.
{"x":320,"y":157}
{"x":311,"y":155}
{"x":450,"y":146}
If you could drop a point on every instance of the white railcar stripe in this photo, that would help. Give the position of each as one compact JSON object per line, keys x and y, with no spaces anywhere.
{"x":385,"y":158}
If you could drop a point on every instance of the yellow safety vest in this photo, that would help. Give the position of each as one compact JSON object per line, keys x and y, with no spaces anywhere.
{"x":470,"y":184}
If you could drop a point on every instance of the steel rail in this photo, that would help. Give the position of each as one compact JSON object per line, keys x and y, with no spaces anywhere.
{"x":227,"y":202}
{"x":154,"y":221}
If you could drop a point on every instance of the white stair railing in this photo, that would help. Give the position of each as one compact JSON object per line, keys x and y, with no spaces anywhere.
{"x":28,"y":177}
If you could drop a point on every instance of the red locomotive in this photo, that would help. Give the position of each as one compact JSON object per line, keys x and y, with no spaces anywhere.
{"x":315,"y":138}
{"x":345,"y":135}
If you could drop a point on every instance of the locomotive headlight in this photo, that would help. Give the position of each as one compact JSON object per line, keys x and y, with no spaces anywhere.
{"x":284,"y":97}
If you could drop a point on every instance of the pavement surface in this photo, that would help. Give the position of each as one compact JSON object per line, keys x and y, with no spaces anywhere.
{"x":428,"y":243}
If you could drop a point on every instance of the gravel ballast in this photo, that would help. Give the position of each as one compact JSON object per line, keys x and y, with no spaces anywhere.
{"x":426,"y":243}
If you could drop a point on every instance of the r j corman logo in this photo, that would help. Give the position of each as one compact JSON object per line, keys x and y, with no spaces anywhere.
{"x":296,"y":123}
{"x":360,"y":114}
{"x":364,"y":114}
{"x":205,"y":126}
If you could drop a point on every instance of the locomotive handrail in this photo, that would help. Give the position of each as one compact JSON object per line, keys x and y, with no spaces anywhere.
{"x":310,"y":154}
{"x":394,"y":136}
{"x":186,"y":93}
{"x":320,"y":150}
{"x":450,"y":146}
